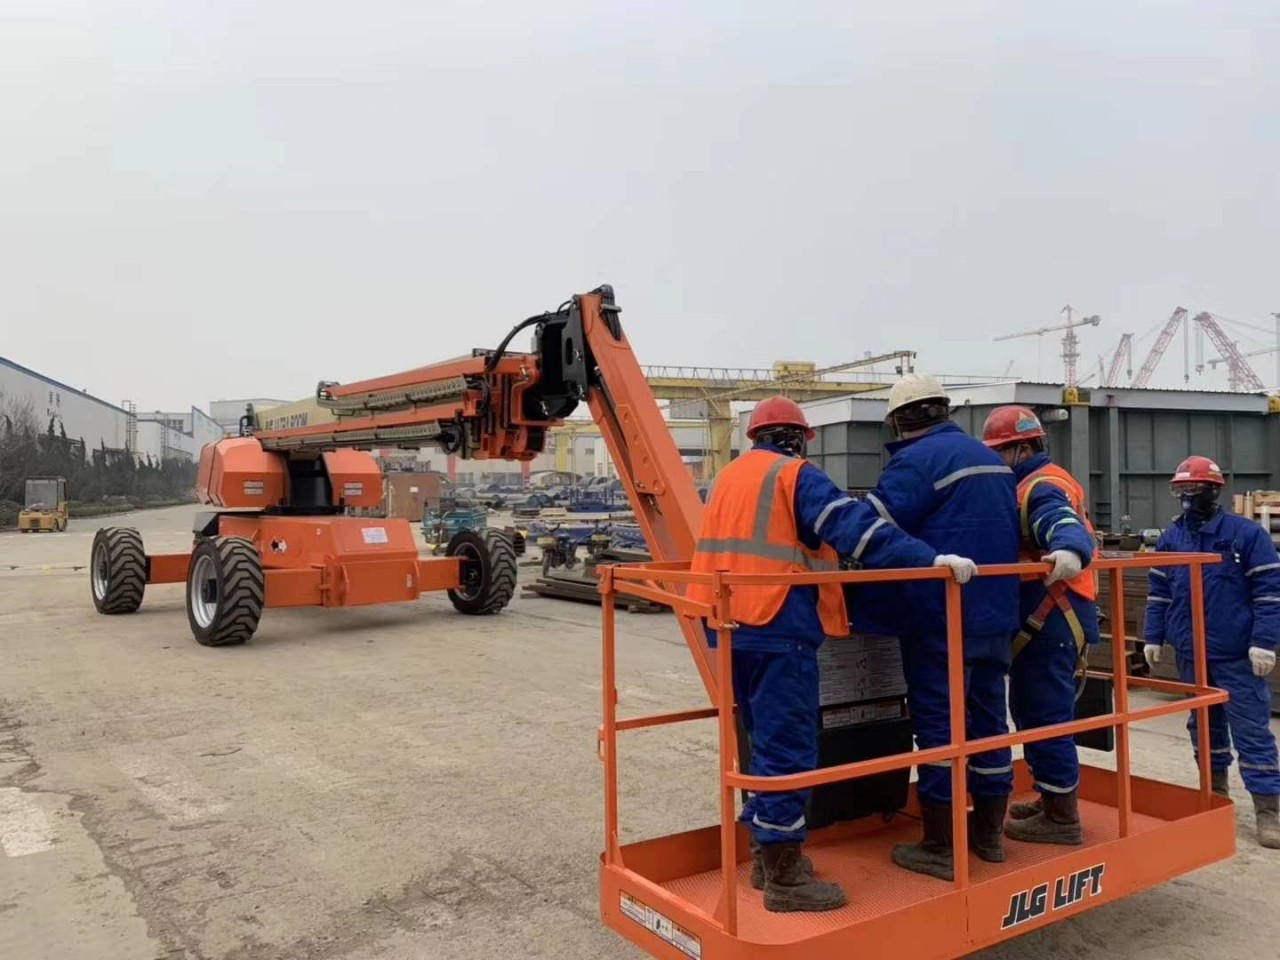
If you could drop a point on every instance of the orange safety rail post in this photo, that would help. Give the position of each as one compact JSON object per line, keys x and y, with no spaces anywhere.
{"x":663,"y":583}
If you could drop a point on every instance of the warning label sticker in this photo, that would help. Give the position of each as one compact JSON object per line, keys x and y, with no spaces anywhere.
{"x":353,"y":489}
{"x":374,"y":534}
{"x":847,"y":716}
{"x":254,"y":488}
{"x":664,"y":927}
{"x":861,"y":667}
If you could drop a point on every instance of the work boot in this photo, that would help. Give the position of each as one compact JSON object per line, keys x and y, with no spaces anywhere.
{"x":986,"y":828}
{"x":932,"y":855}
{"x":788,"y":889}
{"x":1267,"y":809}
{"x":1057,"y":822}
{"x":757,"y":865}
{"x":1026,"y":809}
{"x":1221,"y":785}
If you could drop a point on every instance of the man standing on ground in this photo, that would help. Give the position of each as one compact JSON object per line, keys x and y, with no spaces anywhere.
{"x":947,"y":489}
{"x":771,"y":512}
{"x":1241,"y":625}
{"x":1059,"y":616}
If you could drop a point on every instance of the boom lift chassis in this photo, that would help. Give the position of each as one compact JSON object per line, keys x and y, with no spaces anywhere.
{"x":280,"y":536}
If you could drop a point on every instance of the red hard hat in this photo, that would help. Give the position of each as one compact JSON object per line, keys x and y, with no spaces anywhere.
{"x":1008,"y":425}
{"x":1198,"y":470}
{"x":777,"y":412}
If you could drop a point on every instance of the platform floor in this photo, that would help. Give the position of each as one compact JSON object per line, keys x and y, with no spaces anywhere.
{"x":873,"y":884}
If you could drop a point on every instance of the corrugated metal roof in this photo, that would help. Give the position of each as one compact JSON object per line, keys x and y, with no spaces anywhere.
{"x":60,"y":385}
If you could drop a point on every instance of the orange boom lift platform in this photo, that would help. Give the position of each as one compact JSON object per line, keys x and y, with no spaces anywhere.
{"x":280,"y":535}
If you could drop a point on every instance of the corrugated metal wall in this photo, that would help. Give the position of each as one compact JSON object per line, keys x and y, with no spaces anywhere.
{"x":1147,"y":446}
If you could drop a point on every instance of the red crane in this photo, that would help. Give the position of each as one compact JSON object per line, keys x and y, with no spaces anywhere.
{"x":1159,"y":347}
{"x":1239,"y":372}
{"x":1123,"y":354}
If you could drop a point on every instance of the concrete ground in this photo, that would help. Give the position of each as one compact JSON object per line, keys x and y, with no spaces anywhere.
{"x":391,"y":783}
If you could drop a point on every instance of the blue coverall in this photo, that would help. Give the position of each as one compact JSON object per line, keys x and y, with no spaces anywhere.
{"x":775,"y":666}
{"x":1241,"y":610}
{"x":1042,"y":687}
{"x":947,"y":489}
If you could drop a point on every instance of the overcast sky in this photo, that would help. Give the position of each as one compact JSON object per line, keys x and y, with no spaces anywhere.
{"x":204,"y":200}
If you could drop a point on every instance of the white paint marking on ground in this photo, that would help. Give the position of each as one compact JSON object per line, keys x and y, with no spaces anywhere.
{"x":168,"y":787}
{"x":301,"y":766}
{"x":24,"y":827}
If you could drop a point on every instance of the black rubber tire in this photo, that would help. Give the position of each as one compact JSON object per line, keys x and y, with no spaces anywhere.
{"x":239,"y":591}
{"x":488,"y":574}
{"x":123,"y":576}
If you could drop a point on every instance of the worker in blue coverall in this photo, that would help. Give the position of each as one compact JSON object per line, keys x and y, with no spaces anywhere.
{"x":947,"y":489}
{"x":1241,"y":623}
{"x":1059,"y":621}
{"x":771,"y":512}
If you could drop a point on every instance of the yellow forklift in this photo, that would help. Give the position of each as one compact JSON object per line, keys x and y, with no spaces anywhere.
{"x":46,"y":506}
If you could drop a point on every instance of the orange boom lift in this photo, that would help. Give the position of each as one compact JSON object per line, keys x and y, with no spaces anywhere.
{"x":280,"y":538}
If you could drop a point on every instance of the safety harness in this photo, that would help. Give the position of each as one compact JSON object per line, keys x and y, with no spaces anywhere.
{"x":1056,"y":596}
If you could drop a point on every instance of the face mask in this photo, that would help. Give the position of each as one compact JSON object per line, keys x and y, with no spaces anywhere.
{"x":1201,"y":504}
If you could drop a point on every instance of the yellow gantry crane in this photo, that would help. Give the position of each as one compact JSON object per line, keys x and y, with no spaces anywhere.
{"x":718,"y":388}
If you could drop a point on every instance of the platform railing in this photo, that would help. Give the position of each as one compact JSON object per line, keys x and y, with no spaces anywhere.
{"x":661,"y":583}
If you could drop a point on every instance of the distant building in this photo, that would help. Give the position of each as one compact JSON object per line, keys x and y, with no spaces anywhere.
{"x":227,"y":413}
{"x":175,"y":436}
{"x":81,"y":415}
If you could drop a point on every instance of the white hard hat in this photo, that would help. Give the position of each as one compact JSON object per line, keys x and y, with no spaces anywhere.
{"x":914,"y":387}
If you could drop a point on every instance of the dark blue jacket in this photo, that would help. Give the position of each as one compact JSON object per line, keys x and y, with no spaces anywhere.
{"x":1241,"y":594}
{"x":826,"y":514}
{"x":949,"y":490}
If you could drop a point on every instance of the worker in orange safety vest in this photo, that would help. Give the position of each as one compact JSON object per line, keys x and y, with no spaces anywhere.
{"x":1061,"y":620}
{"x":772,"y":512}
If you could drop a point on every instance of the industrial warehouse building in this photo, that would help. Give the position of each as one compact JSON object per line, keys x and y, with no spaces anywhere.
{"x":1121,"y":443}
{"x":82,"y":415}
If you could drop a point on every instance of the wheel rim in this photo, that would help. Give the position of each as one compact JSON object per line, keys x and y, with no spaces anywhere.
{"x":100,"y":573}
{"x":202,"y":591}
{"x":470,"y":572}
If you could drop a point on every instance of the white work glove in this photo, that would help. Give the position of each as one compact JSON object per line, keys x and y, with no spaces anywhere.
{"x":1264,"y":661}
{"x":1066,"y":565}
{"x":962,"y":568}
{"x":1152,"y":652}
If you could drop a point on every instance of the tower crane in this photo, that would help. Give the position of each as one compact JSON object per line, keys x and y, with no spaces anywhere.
{"x":1070,"y":341}
{"x":1159,"y":347}
{"x":1123,"y":354}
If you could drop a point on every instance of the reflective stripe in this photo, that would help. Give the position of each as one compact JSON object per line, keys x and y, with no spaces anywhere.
{"x":1065,"y":520}
{"x":1226,"y":750}
{"x":989,"y":771}
{"x":866,"y":537}
{"x":1266,"y":599}
{"x":1158,"y":572}
{"x":951,"y":478}
{"x":765,"y":506}
{"x":766,"y":551}
{"x":1159,"y":600}
{"x":881,"y":508}
{"x":1266,"y":768}
{"x":1052,"y":789}
{"x":1265,"y":566}
{"x":798,"y":825}
{"x":827,"y":510}
{"x":944,"y":764}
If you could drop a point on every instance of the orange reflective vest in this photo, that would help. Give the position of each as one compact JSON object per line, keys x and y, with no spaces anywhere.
{"x":1086,"y":584}
{"x":749,"y":526}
